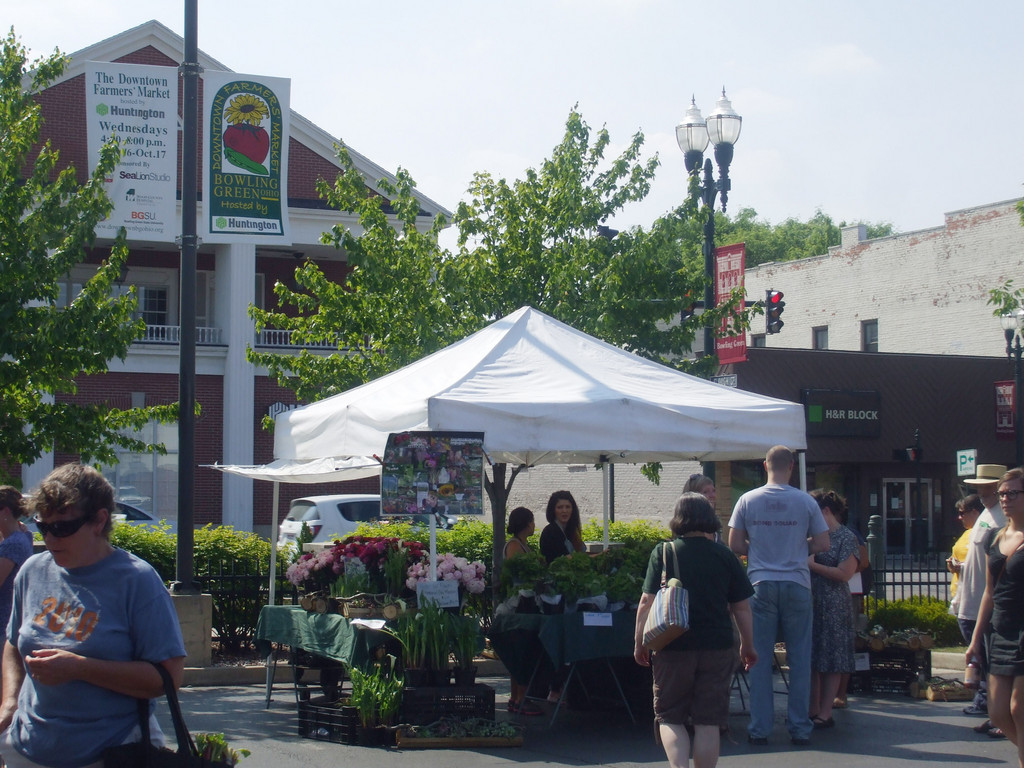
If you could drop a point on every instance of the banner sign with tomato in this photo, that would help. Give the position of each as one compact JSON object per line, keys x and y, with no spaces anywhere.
{"x":137,"y":105}
{"x":246,"y":163}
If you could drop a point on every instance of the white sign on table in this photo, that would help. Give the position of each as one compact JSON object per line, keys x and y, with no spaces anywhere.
{"x":443,"y":594}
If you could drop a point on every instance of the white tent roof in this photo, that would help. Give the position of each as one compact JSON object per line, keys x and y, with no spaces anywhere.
{"x":325,"y":470}
{"x":543,"y":392}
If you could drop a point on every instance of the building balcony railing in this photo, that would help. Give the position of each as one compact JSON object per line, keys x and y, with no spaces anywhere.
{"x":273,"y":337}
{"x":171,"y":334}
{"x":270,"y":337}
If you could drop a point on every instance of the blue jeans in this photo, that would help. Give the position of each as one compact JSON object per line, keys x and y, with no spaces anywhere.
{"x":781,"y":608}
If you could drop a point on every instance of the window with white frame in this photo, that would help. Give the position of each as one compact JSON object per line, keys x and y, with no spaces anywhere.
{"x":819,"y":337}
{"x":148,"y":481}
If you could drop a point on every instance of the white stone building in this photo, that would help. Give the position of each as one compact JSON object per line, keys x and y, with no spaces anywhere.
{"x":921,"y":292}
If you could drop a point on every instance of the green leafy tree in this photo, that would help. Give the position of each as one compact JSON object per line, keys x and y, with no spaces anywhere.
{"x":47,"y":222}
{"x":788,"y":240}
{"x":544,"y":241}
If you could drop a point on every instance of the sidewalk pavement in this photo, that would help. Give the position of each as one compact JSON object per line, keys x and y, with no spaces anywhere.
{"x":875,"y":731}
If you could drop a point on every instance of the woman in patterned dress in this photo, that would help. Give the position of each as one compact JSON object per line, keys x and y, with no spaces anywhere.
{"x":832,"y":645}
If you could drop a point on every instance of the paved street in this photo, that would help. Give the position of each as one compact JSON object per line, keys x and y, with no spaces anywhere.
{"x":876,"y":731}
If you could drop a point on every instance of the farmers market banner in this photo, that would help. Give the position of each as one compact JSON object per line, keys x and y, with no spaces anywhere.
{"x":433,"y":472}
{"x":138,"y":105}
{"x":246,"y":158}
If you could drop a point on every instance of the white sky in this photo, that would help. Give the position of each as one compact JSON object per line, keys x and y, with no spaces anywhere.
{"x":876,"y":110}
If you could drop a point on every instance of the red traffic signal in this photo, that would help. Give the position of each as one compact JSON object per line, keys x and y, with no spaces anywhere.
{"x":773,"y":307}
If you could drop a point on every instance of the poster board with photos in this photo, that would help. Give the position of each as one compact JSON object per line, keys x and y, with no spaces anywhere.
{"x":433,"y":472}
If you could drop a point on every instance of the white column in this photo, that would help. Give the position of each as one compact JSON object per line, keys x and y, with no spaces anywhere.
{"x":33,"y":474}
{"x":234,"y":292}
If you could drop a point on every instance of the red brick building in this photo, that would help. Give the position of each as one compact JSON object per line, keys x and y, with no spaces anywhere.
{"x":234,"y":395}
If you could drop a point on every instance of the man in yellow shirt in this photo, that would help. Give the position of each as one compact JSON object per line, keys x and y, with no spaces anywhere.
{"x":967,"y":509}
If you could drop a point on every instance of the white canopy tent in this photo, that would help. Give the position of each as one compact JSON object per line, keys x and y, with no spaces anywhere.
{"x":542,"y":393}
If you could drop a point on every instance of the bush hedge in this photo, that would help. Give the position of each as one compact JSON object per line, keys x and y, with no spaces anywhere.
{"x":927,"y":614}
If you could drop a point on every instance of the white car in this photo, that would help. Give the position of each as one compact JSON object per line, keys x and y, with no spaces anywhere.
{"x":334,"y":517}
{"x":328,"y":517}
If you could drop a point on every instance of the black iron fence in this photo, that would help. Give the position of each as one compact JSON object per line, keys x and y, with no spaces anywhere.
{"x":909,"y":576}
{"x":240,"y":588}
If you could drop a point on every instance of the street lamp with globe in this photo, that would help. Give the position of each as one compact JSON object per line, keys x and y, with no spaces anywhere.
{"x":722,"y":130}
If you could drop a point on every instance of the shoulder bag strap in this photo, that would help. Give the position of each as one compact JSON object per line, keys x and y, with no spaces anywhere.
{"x":185,"y":744}
{"x":143,"y":705}
{"x":664,"y":563}
{"x":675,"y":556}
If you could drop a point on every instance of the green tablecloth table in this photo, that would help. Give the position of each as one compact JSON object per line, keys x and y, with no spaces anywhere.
{"x":524,"y":641}
{"x":324,"y":634}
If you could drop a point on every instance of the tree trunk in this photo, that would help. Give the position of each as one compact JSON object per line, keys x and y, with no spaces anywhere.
{"x":497,"y":492}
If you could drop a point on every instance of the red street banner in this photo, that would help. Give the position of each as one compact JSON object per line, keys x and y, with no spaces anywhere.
{"x":1004,"y":410}
{"x":730,"y":263}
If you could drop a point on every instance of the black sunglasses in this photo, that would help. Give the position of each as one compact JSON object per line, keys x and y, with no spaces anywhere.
{"x":60,"y":529}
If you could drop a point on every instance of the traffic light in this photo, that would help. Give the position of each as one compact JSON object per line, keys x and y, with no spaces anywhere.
{"x":773,"y":306}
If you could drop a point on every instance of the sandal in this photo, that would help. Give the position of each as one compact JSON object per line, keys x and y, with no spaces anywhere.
{"x":819,"y":724}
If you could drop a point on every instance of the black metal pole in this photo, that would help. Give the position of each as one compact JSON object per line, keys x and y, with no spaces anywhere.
{"x":1018,"y":416}
{"x":921,"y":523}
{"x":708,"y":193}
{"x":189,"y":73}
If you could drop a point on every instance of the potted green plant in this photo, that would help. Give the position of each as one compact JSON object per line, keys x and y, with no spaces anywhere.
{"x":574,"y":577}
{"x":435,"y":629}
{"x":377,"y":697}
{"x":524,"y":571}
{"x":423,"y":636}
{"x":466,"y":643}
{"x":407,"y":631}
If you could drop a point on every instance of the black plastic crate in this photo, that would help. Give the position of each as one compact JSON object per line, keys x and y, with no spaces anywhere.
{"x":422,"y":706}
{"x":892,"y":671}
{"x":321,"y":720}
{"x":897,"y":662}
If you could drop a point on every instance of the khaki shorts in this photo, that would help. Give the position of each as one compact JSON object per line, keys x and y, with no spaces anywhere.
{"x":693,"y":687}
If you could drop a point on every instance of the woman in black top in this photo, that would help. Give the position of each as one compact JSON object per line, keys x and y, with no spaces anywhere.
{"x":1002,"y":608}
{"x":562,"y":535}
{"x":693,"y":673}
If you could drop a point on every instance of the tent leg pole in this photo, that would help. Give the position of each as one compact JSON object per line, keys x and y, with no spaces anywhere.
{"x":607,"y":483}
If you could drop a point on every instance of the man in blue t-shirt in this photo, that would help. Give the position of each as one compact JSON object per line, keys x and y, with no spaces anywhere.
{"x":777,"y":527}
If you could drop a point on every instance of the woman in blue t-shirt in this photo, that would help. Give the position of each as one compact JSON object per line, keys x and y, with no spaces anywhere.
{"x":86,"y":622}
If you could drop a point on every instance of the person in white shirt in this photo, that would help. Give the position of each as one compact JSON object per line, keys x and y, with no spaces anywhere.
{"x":968,"y":596}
